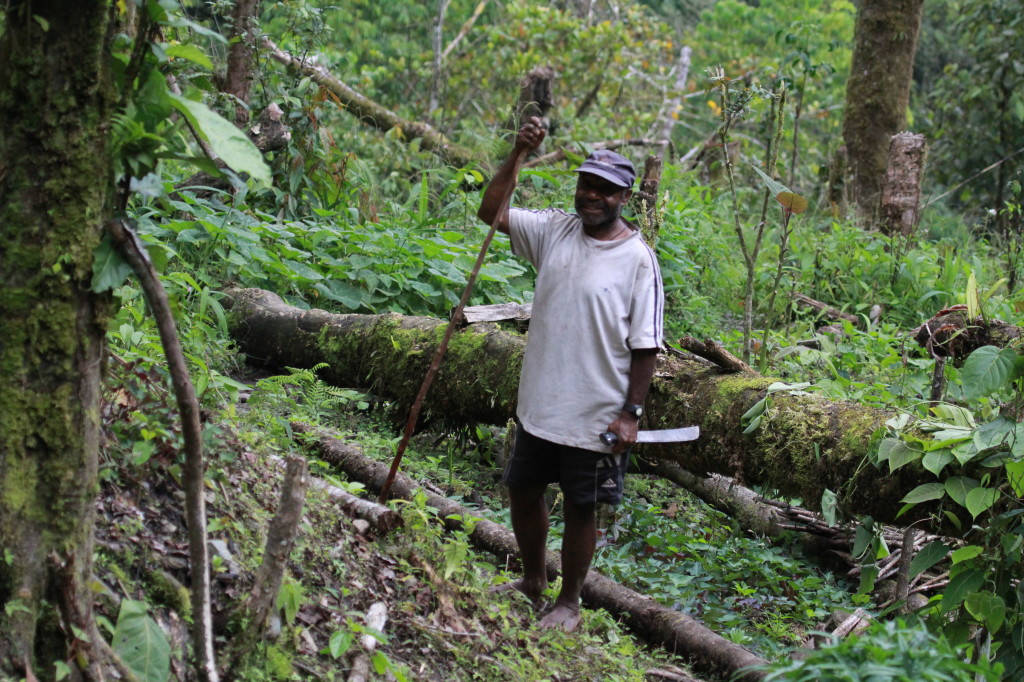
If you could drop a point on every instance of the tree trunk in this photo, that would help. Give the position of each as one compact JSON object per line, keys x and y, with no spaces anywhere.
{"x":805,"y":443}
{"x":878,"y":93}
{"x":55,"y":197}
{"x":241,"y":59}
{"x":901,"y":189}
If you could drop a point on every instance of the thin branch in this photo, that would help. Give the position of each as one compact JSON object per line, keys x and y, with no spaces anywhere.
{"x":465,"y":29}
{"x":133,"y":251}
{"x":581,"y":148}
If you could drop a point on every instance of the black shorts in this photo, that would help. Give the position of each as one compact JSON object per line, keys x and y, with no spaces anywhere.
{"x":585,"y":476}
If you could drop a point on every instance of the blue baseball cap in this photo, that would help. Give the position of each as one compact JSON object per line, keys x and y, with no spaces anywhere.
{"x":613,"y":167}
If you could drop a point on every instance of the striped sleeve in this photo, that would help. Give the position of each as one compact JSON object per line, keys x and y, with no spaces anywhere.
{"x":646,"y":323}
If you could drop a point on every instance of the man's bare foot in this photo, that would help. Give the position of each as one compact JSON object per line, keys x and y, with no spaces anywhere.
{"x":563,"y":616}
{"x":531,"y":591}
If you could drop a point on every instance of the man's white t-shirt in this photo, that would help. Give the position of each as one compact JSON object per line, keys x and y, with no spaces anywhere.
{"x":594,"y":302}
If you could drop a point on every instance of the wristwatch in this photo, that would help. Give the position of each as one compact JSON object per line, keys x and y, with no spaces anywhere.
{"x":635,"y":410}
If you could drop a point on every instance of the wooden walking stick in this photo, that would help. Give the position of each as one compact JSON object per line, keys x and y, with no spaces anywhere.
{"x":435,"y":364}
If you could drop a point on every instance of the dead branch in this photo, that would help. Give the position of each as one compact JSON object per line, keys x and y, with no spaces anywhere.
{"x":709,"y":350}
{"x":584,"y":149}
{"x":131,"y":248}
{"x":497,"y":312}
{"x":825,"y":309}
{"x":465,"y":29}
{"x":670,"y":117}
{"x":377,"y":515}
{"x":258,"y":607}
{"x":645,"y":200}
{"x":280,"y":540}
{"x":371,"y":113}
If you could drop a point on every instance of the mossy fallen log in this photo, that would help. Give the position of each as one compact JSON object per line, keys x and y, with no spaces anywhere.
{"x":804,"y":445}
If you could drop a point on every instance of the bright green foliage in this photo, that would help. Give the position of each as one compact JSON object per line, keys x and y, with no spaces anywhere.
{"x":895,"y":651}
{"x":745,"y":589}
{"x":806,"y":45}
{"x":141,"y":644}
{"x":301,"y":395}
{"x":979,"y":468}
{"x":976,"y":102}
{"x":359,"y":222}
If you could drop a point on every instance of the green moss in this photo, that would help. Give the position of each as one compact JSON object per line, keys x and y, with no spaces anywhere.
{"x":279,"y":663}
{"x":162,"y":588}
{"x":730,"y":387}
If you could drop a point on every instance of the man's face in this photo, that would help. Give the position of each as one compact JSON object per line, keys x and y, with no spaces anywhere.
{"x":599,"y":201}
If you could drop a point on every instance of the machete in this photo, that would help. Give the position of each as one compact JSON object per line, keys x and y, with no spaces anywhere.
{"x":680,"y":435}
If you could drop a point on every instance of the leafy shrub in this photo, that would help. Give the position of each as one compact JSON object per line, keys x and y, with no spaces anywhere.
{"x":894,"y":651}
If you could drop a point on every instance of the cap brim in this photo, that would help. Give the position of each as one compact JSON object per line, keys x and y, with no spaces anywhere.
{"x":602,"y":173}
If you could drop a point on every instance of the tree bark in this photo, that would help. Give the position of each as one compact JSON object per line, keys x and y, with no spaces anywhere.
{"x":132,"y":250}
{"x":681,"y":634}
{"x":804,"y":445}
{"x":55,"y":196}
{"x":645,"y":200}
{"x":241,"y":57}
{"x":878,"y":93}
{"x":901,"y":188}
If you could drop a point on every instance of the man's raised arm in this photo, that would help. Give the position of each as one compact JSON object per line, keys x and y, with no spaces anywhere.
{"x":529,"y":138}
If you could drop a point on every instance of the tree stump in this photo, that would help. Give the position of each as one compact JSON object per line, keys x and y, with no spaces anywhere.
{"x":901,"y":186}
{"x":645,"y":200}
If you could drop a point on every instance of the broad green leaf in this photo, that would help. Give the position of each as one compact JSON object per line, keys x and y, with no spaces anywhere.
{"x":973,"y":307}
{"x":966,"y":553}
{"x":958,"y":416}
{"x":141,"y":644}
{"x":350,"y":296}
{"x":897,"y":453}
{"x":302,"y":270}
{"x":862,"y":537}
{"x":828,"y":506}
{"x":958,"y":486}
{"x":109,"y":269}
{"x":936,"y":461}
{"x":339,"y":643}
{"x":774,"y":186}
{"x":930,"y":554}
{"x":980,"y":499}
{"x":868,"y":576}
{"x":960,"y":587}
{"x":987,"y":370}
{"x":965,"y":451}
{"x":994,"y":434}
{"x":898,"y":422}
{"x":925,"y":492}
{"x":227,"y":141}
{"x":1015,"y":472}
{"x":987,"y":608}
{"x":190,"y":53}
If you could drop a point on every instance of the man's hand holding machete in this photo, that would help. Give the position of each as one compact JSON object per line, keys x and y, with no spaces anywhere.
{"x":595,"y":332}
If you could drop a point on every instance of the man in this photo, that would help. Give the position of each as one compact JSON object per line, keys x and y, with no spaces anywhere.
{"x":595,"y":332}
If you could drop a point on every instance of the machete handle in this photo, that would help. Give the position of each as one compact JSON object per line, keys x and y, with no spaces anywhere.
{"x":610,"y":438}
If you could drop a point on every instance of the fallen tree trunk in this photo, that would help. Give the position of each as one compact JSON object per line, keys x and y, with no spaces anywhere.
{"x":804,"y":445}
{"x":705,"y":650}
